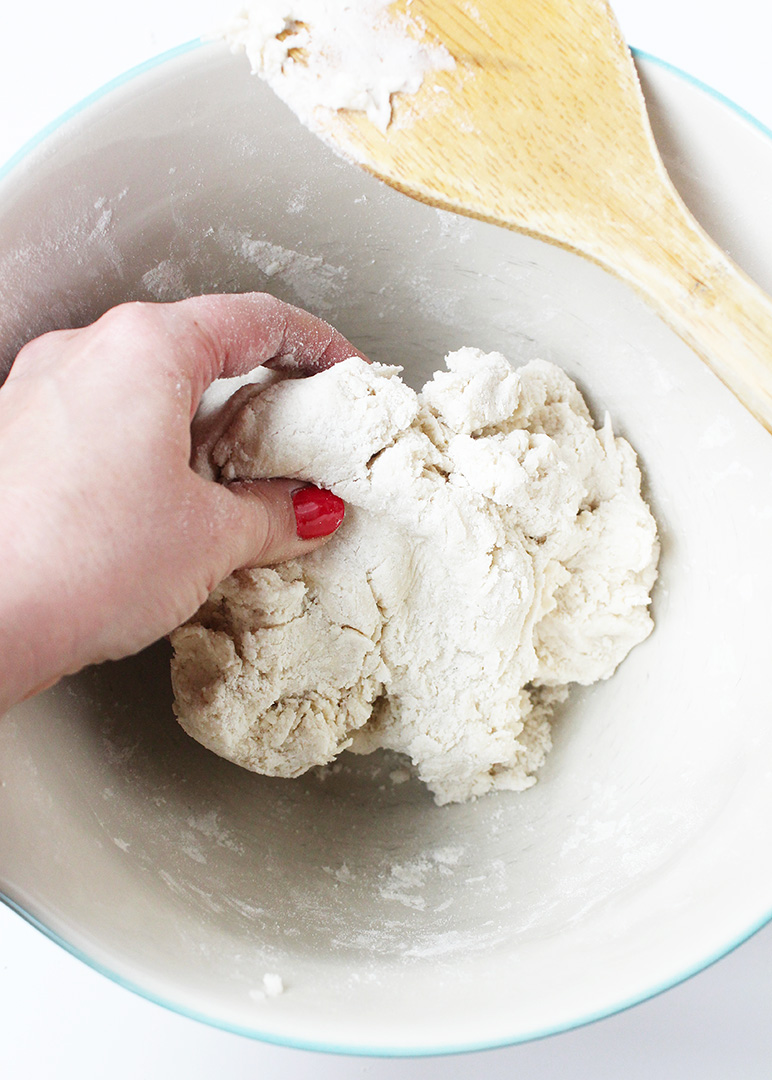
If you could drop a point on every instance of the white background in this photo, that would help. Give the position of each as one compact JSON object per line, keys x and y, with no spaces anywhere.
{"x":58,"y":1019}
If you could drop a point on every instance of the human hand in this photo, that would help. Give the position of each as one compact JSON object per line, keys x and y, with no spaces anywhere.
{"x":109,"y":539}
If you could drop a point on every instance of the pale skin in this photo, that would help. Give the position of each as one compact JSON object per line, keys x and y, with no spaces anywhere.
{"x":109,"y":539}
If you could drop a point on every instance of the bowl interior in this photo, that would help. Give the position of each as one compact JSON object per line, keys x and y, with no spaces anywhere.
{"x":398,"y":926}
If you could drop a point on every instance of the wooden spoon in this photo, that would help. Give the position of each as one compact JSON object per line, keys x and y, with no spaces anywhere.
{"x":542,"y":127}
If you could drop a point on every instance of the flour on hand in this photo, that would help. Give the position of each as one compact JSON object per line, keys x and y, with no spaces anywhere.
{"x":496,"y":548}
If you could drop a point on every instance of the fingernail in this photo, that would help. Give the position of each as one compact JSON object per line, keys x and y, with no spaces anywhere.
{"x":317,"y":512}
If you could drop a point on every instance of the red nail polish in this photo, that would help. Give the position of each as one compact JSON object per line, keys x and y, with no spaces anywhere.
{"x":317,"y":512}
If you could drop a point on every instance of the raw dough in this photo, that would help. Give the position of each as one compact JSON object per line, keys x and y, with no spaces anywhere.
{"x":495,"y":548}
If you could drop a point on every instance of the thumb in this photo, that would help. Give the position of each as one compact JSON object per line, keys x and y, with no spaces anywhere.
{"x":271,"y":521}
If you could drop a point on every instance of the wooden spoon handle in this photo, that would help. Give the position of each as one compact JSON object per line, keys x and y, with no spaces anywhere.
{"x":697,"y":289}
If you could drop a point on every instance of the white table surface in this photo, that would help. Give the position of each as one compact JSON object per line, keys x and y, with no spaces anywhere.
{"x":59,"y":1019}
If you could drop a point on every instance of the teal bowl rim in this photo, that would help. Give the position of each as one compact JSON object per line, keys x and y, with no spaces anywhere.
{"x":310,"y":1044}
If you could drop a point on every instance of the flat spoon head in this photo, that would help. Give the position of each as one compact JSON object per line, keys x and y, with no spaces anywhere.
{"x":540,"y":121}
{"x":541,"y":127}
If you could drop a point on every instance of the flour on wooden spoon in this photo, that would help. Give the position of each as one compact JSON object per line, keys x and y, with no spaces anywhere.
{"x":335,"y":54}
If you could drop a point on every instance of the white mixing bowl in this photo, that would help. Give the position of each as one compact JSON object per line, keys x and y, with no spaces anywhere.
{"x":397,"y":927}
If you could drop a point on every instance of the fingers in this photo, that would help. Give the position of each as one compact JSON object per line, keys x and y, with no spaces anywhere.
{"x":230,"y":334}
{"x":262,"y":522}
{"x":202,"y":338}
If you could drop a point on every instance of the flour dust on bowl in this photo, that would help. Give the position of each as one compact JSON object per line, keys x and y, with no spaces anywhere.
{"x":345,"y":910}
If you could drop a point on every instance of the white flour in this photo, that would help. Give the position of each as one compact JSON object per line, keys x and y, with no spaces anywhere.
{"x":305,"y":279}
{"x":314,"y":281}
{"x":496,"y":548}
{"x":335,"y":54}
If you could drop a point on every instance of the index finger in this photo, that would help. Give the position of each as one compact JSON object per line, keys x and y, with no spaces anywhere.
{"x":228,"y":334}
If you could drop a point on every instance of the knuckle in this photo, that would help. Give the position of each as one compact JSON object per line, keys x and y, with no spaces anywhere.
{"x":207,"y":343}
{"x":31,"y":354}
{"x":263,"y":525}
{"x":135,"y":320}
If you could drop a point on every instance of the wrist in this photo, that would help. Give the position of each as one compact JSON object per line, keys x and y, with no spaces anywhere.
{"x":34,"y":646}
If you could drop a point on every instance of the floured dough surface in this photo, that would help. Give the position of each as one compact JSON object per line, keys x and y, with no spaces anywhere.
{"x":495,"y":549}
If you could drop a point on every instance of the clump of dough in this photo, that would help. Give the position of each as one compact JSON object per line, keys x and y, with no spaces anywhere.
{"x":496,"y":548}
